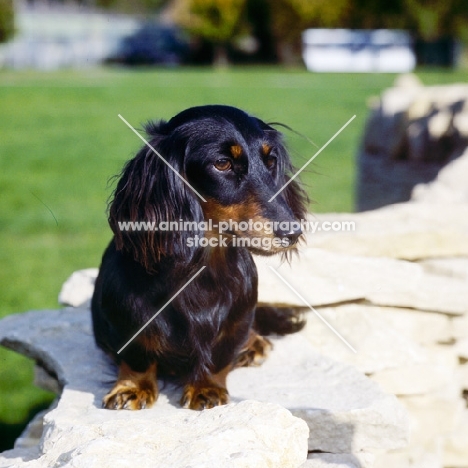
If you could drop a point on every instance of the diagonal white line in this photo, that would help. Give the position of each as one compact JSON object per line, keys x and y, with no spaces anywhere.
{"x":312,"y":309}
{"x":161,"y":309}
{"x":312,"y":158}
{"x":160,"y":157}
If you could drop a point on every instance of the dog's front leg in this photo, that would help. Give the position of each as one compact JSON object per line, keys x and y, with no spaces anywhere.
{"x":208,"y":392}
{"x":133,"y":390}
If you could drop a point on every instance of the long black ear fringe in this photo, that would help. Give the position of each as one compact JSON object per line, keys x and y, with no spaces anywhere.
{"x":296,"y":198}
{"x":150,"y":192}
{"x":294,"y":195}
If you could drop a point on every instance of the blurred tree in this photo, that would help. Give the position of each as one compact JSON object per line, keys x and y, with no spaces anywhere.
{"x":215,"y":21}
{"x":258,"y":16}
{"x":132,"y":6}
{"x":374,"y":14}
{"x":7,"y":24}
{"x":276,"y":25}
{"x":291,"y":17}
{"x":437,"y":24}
{"x":433,"y":19}
{"x":429,"y":20}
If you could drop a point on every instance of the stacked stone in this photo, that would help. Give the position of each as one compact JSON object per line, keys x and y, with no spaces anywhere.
{"x":412,"y":132}
{"x":411,"y":327}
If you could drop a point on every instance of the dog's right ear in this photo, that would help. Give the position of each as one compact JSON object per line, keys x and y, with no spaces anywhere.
{"x":151,"y":202}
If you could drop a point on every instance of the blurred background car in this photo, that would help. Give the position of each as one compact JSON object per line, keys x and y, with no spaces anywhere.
{"x":152,"y":44}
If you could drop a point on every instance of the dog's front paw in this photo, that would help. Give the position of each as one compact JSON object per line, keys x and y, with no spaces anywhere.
{"x":129,"y":395}
{"x":200,"y":396}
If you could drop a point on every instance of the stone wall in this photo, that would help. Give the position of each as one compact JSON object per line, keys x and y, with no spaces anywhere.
{"x":411,"y":133}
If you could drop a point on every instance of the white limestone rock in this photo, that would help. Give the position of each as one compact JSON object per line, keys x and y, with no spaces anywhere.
{"x":415,"y":458}
{"x":417,"y":379}
{"x":78,"y":288}
{"x":371,"y":330}
{"x":344,"y":410}
{"x":423,"y":328}
{"x":323,"y":277}
{"x":455,"y":444}
{"x":237,"y":435}
{"x":459,"y":327}
{"x":462,"y":375}
{"x":462,"y":348}
{"x":437,"y":376}
{"x":344,"y":413}
{"x":409,"y":231}
{"x":407,"y":80}
{"x":431,"y":417}
{"x":452,"y":267}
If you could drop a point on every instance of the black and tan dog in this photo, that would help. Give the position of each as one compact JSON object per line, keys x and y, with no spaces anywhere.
{"x":236,"y":163}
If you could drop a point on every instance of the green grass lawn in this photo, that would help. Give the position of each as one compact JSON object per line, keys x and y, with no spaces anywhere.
{"x":61,"y":141}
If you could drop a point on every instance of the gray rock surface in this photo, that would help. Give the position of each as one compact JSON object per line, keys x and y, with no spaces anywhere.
{"x":332,"y":460}
{"x":344,"y":410}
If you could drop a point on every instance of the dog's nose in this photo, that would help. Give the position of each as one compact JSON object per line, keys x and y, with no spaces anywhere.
{"x":292,"y":234}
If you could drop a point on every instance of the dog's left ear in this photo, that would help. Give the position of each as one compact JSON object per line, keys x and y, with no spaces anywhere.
{"x":294,"y":195}
{"x":151,"y":193}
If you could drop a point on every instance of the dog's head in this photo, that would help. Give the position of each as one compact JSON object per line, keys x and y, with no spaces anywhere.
{"x":216,"y":165}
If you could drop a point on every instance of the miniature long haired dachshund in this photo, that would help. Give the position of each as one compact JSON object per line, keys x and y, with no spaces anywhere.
{"x":194,"y":290}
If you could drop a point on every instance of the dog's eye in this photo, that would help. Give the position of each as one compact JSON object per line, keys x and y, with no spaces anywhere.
{"x":223,"y":164}
{"x":270,"y":162}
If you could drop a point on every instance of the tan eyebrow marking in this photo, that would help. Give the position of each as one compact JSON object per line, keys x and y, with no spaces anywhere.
{"x":236,"y":151}
{"x":266,"y":149}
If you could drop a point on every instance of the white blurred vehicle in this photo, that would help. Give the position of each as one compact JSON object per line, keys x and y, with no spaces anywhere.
{"x":345,"y":50}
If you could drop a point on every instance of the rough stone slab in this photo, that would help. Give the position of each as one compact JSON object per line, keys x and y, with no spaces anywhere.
{"x":345,"y":411}
{"x":462,"y":348}
{"x":432,"y":417}
{"x":80,"y":434}
{"x":438,"y":375}
{"x":423,"y":328}
{"x":332,"y":460}
{"x":455,"y":444}
{"x":462,"y":375}
{"x":374,"y":332}
{"x":410,"y":231}
{"x":417,"y":458}
{"x":459,"y":327}
{"x":242,"y":435}
{"x":416,"y":379}
{"x":452,"y":267}
{"x":324,"y":278}
{"x":32,"y":434}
